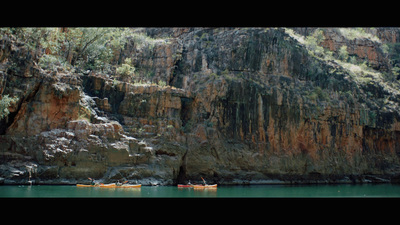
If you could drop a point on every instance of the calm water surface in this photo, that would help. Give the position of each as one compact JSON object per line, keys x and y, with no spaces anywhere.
{"x":250,"y":191}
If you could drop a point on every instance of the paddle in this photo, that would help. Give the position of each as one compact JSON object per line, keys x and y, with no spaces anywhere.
{"x":203,"y":181}
{"x":124,"y":182}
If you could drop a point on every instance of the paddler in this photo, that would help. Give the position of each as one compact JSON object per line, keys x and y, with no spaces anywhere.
{"x":204,"y":182}
{"x":92,"y":181}
{"x":118,"y":183}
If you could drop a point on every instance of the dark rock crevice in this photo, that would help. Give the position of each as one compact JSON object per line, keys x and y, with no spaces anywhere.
{"x":10,"y":120}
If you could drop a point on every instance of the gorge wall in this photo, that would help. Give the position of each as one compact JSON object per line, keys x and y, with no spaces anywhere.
{"x":239,"y":105}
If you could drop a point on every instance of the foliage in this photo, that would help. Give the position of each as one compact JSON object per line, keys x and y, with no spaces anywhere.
{"x":162,"y":83}
{"x":396,"y":70}
{"x":52,"y":63}
{"x":343,"y":54}
{"x":5,"y":102}
{"x":126,"y":70}
{"x":358,"y":32}
{"x":79,"y":48}
{"x":385,"y":48}
{"x":349,"y":96}
{"x":318,"y":93}
{"x":313,"y":41}
{"x":353,"y":60}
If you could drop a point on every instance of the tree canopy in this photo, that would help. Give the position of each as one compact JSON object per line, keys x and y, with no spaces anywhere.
{"x":77,"y":48}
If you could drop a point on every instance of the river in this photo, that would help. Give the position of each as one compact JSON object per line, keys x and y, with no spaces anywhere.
{"x":238,"y":191}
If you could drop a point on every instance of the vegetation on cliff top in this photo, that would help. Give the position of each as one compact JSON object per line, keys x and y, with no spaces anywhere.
{"x":80,"y":49}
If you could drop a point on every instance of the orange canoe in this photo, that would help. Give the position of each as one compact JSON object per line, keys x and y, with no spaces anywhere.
{"x":113,"y":185}
{"x":185,"y":185}
{"x":87,"y":185}
{"x":205,"y":186}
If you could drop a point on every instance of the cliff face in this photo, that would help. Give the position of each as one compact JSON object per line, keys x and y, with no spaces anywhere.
{"x":242,"y":105}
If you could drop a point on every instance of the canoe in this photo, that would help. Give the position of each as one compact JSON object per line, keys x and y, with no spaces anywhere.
{"x":113,"y":185}
{"x":87,"y":185}
{"x":129,"y":186}
{"x":185,"y":185}
{"x":122,"y":186}
{"x":205,"y":186}
{"x":108,"y":185}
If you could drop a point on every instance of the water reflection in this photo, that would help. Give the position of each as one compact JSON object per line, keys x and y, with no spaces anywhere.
{"x":119,"y":192}
{"x":196,"y":192}
{"x":205,"y":192}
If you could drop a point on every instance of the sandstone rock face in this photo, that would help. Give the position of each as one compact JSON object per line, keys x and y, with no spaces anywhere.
{"x":51,"y":106}
{"x":240,"y":106}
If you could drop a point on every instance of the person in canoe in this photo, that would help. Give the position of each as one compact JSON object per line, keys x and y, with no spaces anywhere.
{"x":118,"y":183}
{"x":204,"y":182}
{"x":92,"y":181}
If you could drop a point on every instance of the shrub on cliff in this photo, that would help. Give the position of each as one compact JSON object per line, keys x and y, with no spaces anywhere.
{"x":5,"y":102}
{"x":343,"y":54}
{"x":126,"y":70}
{"x":53,"y":63}
{"x":313,"y":42}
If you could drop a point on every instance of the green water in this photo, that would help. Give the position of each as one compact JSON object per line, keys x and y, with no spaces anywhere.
{"x":251,"y":191}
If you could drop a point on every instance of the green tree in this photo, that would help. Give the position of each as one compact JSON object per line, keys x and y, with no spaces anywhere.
{"x":313,"y":41}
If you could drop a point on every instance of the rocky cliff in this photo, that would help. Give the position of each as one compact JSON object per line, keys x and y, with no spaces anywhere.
{"x":232,"y":105}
